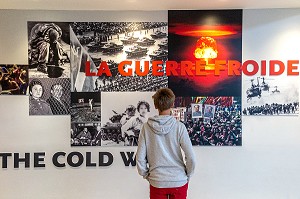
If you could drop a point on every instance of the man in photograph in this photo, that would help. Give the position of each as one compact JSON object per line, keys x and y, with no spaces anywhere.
{"x":84,"y":137}
{"x":45,"y":46}
{"x":97,"y":137}
{"x":37,"y":106}
{"x":209,"y":112}
{"x":196,"y":111}
{"x":58,"y":106}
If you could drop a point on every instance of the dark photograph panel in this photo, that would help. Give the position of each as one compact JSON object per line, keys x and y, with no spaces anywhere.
{"x":13,"y":79}
{"x":114,"y":42}
{"x":206,"y":36}
{"x":221,"y":124}
{"x":85,"y":107}
{"x":49,"y":49}
{"x":49,"y":96}
{"x":86,"y":134}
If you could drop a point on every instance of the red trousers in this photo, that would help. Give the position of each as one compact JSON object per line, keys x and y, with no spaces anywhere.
{"x":169,"y":193}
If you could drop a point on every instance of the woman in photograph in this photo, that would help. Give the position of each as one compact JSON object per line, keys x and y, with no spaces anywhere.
{"x":37,"y":106}
{"x":131,"y":129}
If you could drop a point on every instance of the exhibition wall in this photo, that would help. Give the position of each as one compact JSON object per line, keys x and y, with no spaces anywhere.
{"x":265,"y":166}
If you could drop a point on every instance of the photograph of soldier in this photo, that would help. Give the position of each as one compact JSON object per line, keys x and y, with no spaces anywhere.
{"x":114,"y":42}
{"x":271,"y":95}
{"x":48,"y":49}
{"x":209,"y":111}
{"x":37,"y":105}
{"x":51,"y":92}
{"x":85,"y":107}
{"x":85,"y":134}
{"x":122,"y":119}
{"x":196,"y":110}
{"x":13,"y":79}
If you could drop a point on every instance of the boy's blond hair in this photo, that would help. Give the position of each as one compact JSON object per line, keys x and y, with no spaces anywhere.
{"x":163,"y":99}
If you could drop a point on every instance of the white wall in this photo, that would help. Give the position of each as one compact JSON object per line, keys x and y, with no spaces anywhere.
{"x":266,"y":166}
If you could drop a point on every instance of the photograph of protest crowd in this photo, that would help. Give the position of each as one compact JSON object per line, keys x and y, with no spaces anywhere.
{"x":13,"y":79}
{"x":219,"y":125}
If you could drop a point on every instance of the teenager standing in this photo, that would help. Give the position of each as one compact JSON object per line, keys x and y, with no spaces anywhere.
{"x":159,"y":156}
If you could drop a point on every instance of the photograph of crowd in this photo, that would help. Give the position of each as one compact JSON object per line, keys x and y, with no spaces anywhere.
{"x":123,"y":115}
{"x":85,"y":107}
{"x":276,"y":95}
{"x":13,"y":79}
{"x":49,"y":96}
{"x":85,"y":134}
{"x":49,"y":49}
{"x":194,"y":36}
{"x":222,"y":126}
{"x":114,"y":42}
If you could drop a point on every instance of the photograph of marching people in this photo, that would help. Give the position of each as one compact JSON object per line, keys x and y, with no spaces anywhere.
{"x":48,"y":49}
{"x":221,"y":124}
{"x":123,"y":114}
{"x":49,"y":96}
{"x":85,"y":134}
{"x":85,"y":107}
{"x":206,"y":36}
{"x":271,"y":95}
{"x":112,"y":43}
{"x":13,"y":79}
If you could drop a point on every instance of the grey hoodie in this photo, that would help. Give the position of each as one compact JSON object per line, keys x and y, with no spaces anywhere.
{"x":159,"y":157}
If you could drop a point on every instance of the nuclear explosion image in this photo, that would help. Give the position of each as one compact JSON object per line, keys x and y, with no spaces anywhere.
{"x":206,"y":36}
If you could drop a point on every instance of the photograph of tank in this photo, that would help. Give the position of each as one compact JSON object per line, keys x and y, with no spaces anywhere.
{"x":114,"y":42}
{"x":123,"y":114}
{"x":221,"y":124}
{"x":48,"y":49}
{"x":49,"y":96}
{"x":271,"y":95}
{"x":13,"y":79}
{"x":85,"y":134}
{"x":85,"y":107}
{"x":206,"y":36}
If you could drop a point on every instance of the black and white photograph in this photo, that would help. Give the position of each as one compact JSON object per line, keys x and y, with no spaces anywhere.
{"x":223,"y":129}
{"x":13,"y":79}
{"x":196,"y":110}
{"x":85,"y":107}
{"x":123,"y":114}
{"x":114,"y":42}
{"x":48,"y":49}
{"x":49,"y":96}
{"x":85,"y":134}
{"x":270,"y":95}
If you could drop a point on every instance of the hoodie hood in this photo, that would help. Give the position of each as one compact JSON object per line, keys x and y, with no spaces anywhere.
{"x":161,"y":124}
